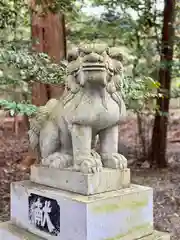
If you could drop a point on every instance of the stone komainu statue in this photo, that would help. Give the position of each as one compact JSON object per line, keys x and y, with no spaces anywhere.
{"x":64,"y":131}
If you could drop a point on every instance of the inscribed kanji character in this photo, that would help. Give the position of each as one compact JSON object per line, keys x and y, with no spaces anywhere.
{"x":46,"y":210}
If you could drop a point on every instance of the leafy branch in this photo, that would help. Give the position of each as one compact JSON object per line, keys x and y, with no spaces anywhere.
{"x":18,"y":108}
{"x":28,"y":66}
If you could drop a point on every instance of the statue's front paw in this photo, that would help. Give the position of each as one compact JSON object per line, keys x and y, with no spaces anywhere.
{"x":89,"y":164}
{"x":58,"y":160}
{"x":114,"y":160}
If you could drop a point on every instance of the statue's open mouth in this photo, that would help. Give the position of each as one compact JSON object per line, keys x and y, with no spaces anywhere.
{"x":94,"y":67}
{"x":101,"y":67}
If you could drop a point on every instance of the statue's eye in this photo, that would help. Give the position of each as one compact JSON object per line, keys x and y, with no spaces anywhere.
{"x":72,"y":55}
{"x":118,"y":57}
{"x":71,"y":58}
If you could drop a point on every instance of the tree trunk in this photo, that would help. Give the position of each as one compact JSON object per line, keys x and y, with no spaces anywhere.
{"x":48,"y":36}
{"x":114,"y":41}
{"x":141,"y":133}
{"x":159,"y":136}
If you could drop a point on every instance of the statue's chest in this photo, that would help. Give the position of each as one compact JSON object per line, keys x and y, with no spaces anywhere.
{"x":96,"y":112}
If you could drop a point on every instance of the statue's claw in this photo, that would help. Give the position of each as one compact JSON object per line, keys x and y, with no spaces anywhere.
{"x":90,"y":164}
{"x":58,"y":160}
{"x":116,"y":161}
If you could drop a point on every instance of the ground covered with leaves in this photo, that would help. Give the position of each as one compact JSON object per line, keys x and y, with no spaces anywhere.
{"x":13,"y":150}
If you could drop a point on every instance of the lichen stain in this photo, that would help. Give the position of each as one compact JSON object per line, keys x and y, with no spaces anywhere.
{"x":143,"y":228}
{"x":132,"y":205}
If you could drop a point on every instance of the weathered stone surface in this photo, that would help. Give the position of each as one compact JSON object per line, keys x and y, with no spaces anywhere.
{"x":63,"y":131}
{"x":9,"y":231}
{"x":157,"y":236}
{"x":124,"y":214}
{"x":86,"y":184}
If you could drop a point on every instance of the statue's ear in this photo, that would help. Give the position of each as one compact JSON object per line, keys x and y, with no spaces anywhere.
{"x":71,"y":84}
{"x":115,"y":53}
{"x":118,"y":67}
{"x":117,"y":79}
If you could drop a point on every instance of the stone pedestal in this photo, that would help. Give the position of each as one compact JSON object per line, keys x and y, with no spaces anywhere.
{"x":61,"y":205}
{"x":85,"y":184}
{"x":85,"y":217}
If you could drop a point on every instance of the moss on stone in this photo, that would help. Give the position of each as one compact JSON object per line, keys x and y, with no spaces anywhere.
{"x":130,"y":204}
{"x":143,"y":228}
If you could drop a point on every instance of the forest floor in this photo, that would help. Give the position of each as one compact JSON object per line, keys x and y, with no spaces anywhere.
{"x":166,"y":183}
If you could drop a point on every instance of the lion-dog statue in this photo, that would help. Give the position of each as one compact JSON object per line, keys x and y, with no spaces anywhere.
{"x":64,"y":131}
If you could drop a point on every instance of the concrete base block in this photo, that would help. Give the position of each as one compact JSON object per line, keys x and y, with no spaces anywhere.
{"x":9,"y":231}
{"x":157,"y":236}
{"x":86,"y":184}
{"x":59,"y":215}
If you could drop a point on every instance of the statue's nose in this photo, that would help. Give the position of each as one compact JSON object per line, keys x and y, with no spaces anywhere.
{"x":93,"y":57}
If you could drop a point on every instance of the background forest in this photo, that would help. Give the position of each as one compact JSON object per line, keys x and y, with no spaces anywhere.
{"x":148,"y":34}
